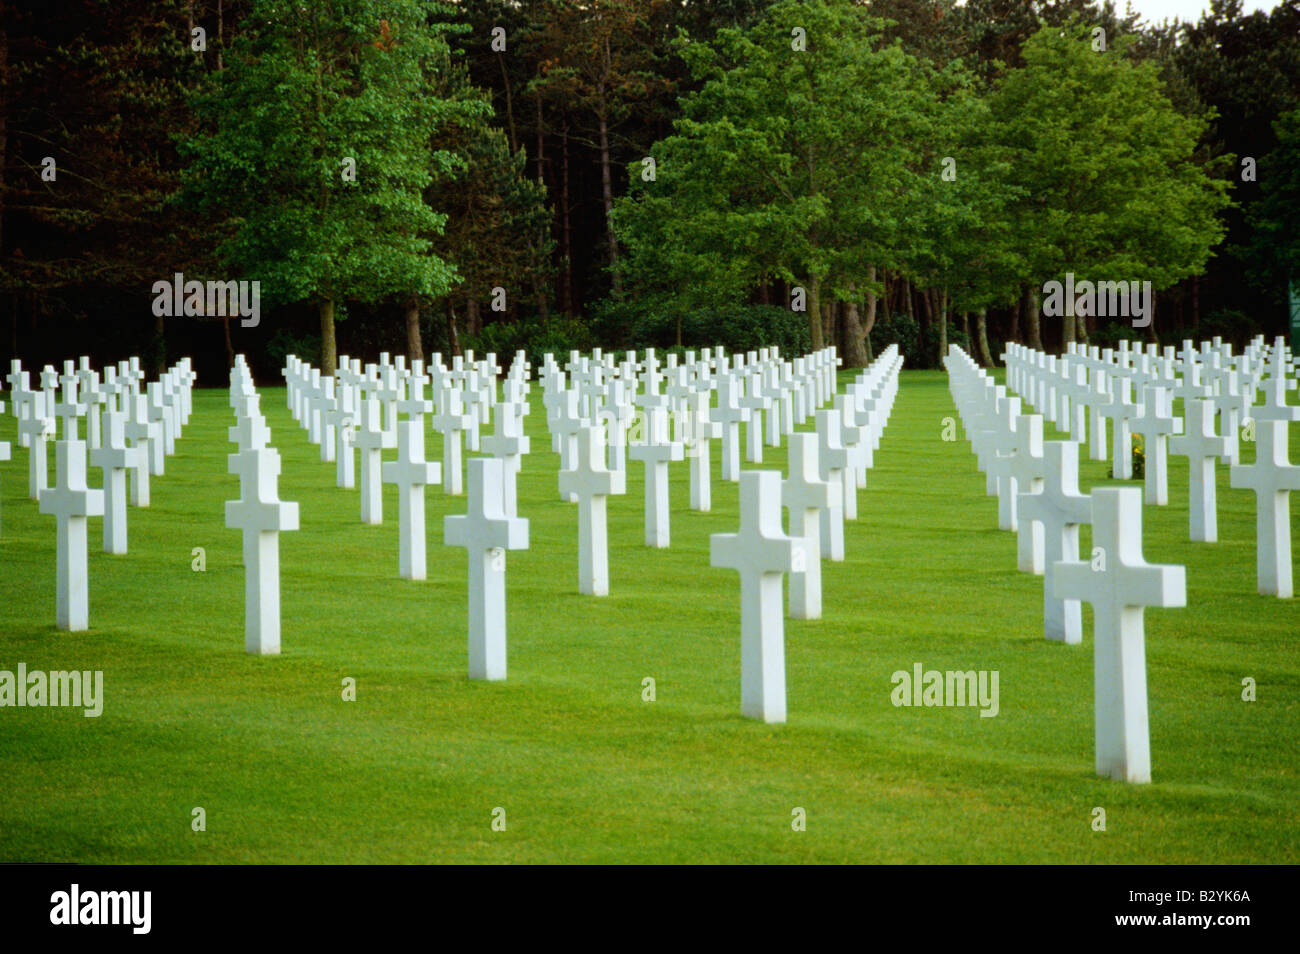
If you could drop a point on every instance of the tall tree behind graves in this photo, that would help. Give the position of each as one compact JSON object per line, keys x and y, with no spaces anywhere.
{"x":795,"y":159}
{"x":497,"y":231}
{"x":1247,"y":68}
{"x":317,"y":145}
{"x":1104,"y":167}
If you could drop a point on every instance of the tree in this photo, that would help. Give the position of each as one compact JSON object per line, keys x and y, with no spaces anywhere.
{"x":1103,"y":166}
{"x":795,"y":159}
{"x":317,"y":146}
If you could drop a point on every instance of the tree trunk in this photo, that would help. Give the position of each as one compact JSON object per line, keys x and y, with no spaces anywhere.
{"x":814,"y":306}
{"x":158,"y":349}
{"x":473,"y":317}
{"x":943,"y":325}
{"x":982,"y":339}
{"x":855,"y":354}
{"x":607,"y":195}
{"x":1196,"y":289}
{"x":1067,"y":330}
{"x":328,"y":347}
{"x":414,"y":342}
{"x":926,"y":316}
{"x":230,"y":347}
{"x":453,"y":340}
{"x":566,"y":233}
{"x":1031,"y":319}
{"x":1013,"y":331}
{"x":1151,"y":325}
{"x":871,"y":306}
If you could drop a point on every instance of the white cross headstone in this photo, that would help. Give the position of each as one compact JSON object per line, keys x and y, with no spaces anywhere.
{"x":372,"y":440}
{"x":1155,"y":424}
{"x":700,"y":429}
{"x":39,"y":430}
{"x":728,"y":415}
{"x":805,"y":494}
{"x":450,"y":422}
{"x":1202,"y":448}
{"x":487,"y":531}
{"x":590,"y":482}
{"x":144,"y":435}
{"x":1059,"y":508}
{"x":834,"y":461}
{"x":71,"y":501}
{"x":1272,"y":477}
{"x":262,"y":516}
{"x":508,"y":444}
{"x":655,"y":451}
{"x":411,"y":473}
{"x":762,"y":554}
{"x":115,"y":458}
{"x":1119,"y":583}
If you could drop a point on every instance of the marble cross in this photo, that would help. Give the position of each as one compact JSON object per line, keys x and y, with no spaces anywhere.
{"x":262,"y":516}
{"x":1120,"y":583}
{"x":805,"y":494}
{"x":1203,"y":449}
{"x":591,"y":482}
{"x":1155,"y":424}
{"x":1059,"y":508}
{"x":38,"y":428}
{"x":762,"y":553}
{"x":411,"y":473}
{"x":145,"y":435}
{"x":834,"y":458}
{"x":1272,"y":477}
{"x":508,"y":444}
{"x":71,"y":501}
{"x":700,"y":429}
{"x":655,"y":452}
{"x":729,"y":415}
{"x":114,"y":457}
{"x":1026,"y":471}
{"x":372,"y":440}
{"x":487,"y":531}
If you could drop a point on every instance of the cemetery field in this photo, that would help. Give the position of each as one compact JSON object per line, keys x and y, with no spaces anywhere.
{"x":567,"y":750}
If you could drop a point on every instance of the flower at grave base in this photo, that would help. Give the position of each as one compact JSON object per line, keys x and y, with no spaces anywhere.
{"x":1139,"y":458}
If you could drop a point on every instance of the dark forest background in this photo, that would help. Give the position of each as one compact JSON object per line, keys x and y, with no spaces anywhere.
{"x":583,"y":92}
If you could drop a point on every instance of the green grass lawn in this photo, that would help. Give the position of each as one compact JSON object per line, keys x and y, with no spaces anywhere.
{"x":585,"y":770}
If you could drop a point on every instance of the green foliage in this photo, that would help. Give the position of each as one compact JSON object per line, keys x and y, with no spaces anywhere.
{"x":794,"y":164}
{"x":1228,"y":324}
{"x":653,"y":323}
{"x":904,"y":331}
{"x":557,"y":335}
{"x":1139,"y":457}
{"x":1274,"y":250}
{"x":1103,"y":164}
{"x":308,"y":89}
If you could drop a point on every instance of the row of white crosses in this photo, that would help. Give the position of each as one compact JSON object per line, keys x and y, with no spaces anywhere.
{"x":1041,"y":481}
{"x":132,"y":426}
{"x":1247,"y":393}
{"x":603,"y":413}
{"x":384,"y":407}
{"x":762,"y":552}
